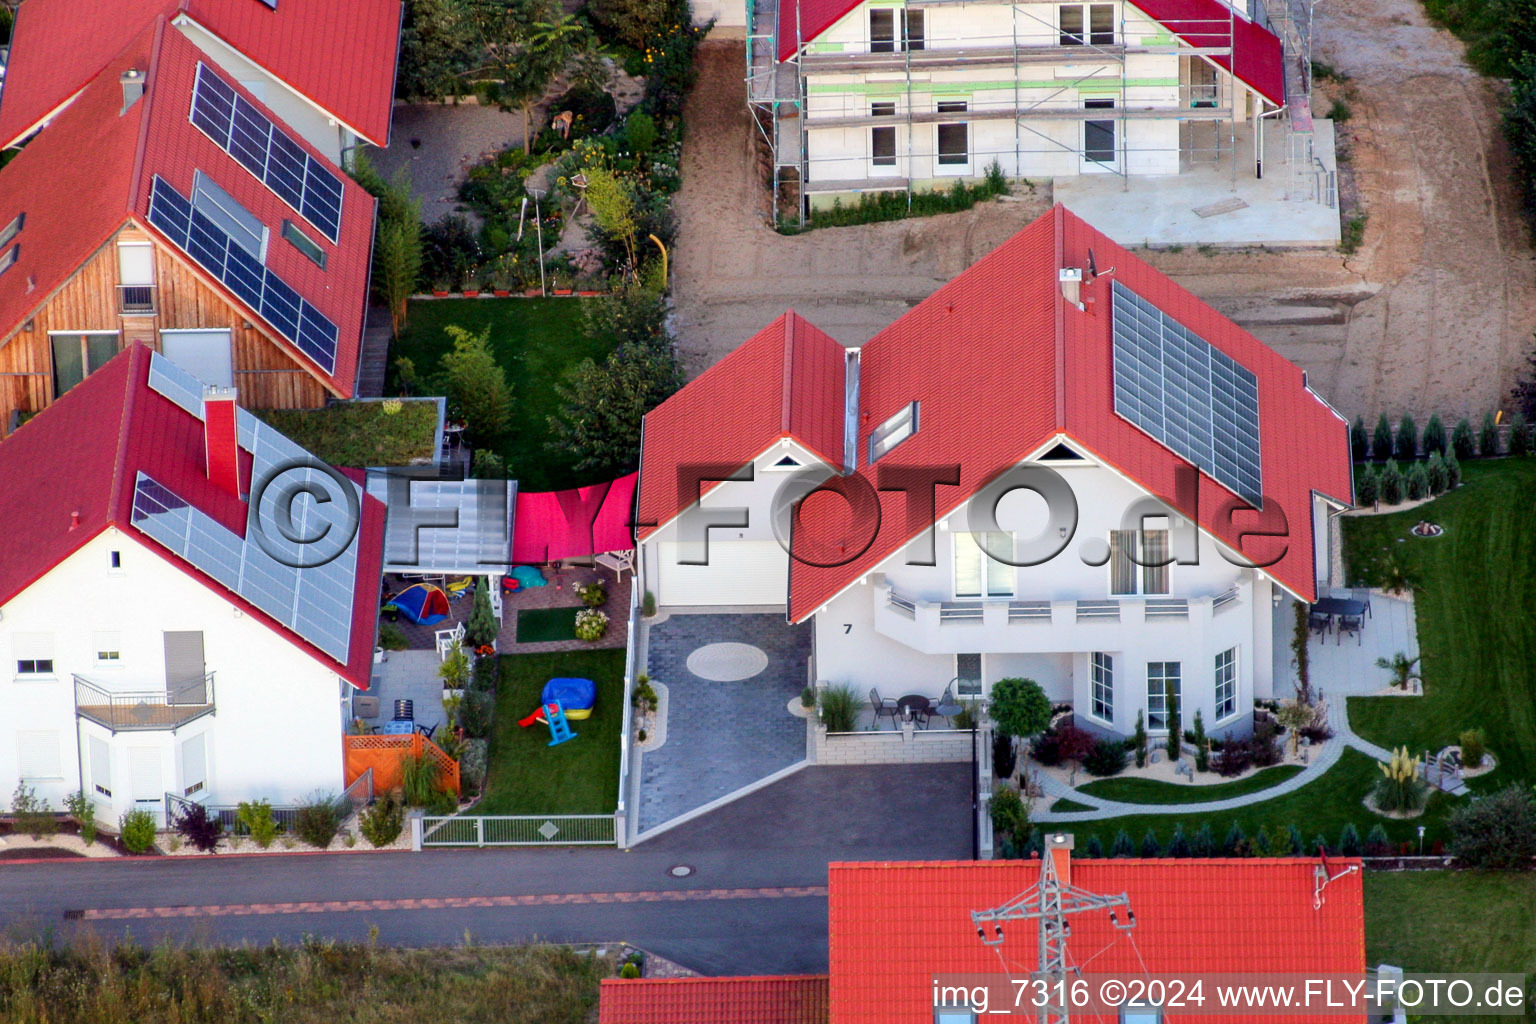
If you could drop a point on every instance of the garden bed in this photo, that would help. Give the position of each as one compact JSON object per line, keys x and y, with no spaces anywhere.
{"x":581,"y":776}
{"x":363,"y":434}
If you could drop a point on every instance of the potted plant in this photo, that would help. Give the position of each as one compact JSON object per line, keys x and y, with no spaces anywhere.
{"x":440,"y":288}
{"x":501,"y":280}
{"x":591,"y":624}
{"x":562,"y":282}
{"x":454,"y":672}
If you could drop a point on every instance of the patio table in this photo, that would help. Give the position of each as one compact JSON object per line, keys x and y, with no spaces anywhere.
{"x":399,"y":727}
{"x":916,"y":707}
{"x":1332,"y":606}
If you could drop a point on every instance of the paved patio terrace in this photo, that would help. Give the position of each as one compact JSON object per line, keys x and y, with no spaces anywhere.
{"x":1341,"y":666}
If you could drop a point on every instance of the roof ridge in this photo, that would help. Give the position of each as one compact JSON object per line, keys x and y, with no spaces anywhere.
{"x":130,"y":407}
{"x":1059,"y":307}
{"x":787,"y":401}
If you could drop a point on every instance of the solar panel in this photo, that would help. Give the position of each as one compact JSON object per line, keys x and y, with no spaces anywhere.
{"x":176,"y":384}
{"x":255,"y":285}
{"x":448,"y":526}
{"x":1190,"y":396}
{"x":265,"y":150}
{"x":314,"y":601}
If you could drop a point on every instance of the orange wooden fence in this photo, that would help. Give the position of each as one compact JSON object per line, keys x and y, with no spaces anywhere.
{"x":384,"y":753}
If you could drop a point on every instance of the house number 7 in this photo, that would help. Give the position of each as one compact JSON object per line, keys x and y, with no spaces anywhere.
{"x":847,"y":627}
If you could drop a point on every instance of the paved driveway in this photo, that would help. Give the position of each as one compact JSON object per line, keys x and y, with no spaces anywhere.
{"x":721,"y":735}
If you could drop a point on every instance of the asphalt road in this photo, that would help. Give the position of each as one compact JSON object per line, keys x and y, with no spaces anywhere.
{"x":754,"y":902}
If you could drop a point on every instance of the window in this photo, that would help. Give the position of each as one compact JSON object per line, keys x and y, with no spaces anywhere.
{"x":136,"y":278}
{"x":1160,"y":676}
{"x":954,"y":139}
{"x":109,"y":649}
{"x":302,"y":242}
{"x":37,"y":755}
{"x":236,"y":221}
{"x":12,"y":229}
{"x":115,"y":560}
{"x":101,"y":766}
{"x":1122,"y":569}
{"x":1099,"y":136}
{"x":1101,"y":24}
{"x":1154,"y":578}
{"x":34,"y":654}
{"x":893,"y":431}
{"x":78,"y":355}
{"x":1226,"y":684}
{"x":883,"y":23}
{"x":1103,"y":686}
{"x":882,"y":139}
{"x":787,"y":462}
{"x":194,"y":766}
{"x":9,"y":257}
{"x":1141,"y":1014}
{"x":977,"y":574}
{"x":953,"y":1015}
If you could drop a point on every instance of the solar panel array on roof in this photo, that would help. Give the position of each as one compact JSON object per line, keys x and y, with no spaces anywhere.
{"x":1189,"y":395}
{"x":314,"y":602}
{"x":282,"y":307}
{"x":265,"y":150}
{"x":176,"y":384}
{"x":447,"y":526}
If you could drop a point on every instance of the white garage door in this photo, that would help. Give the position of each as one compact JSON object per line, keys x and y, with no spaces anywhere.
{"x":739,"y":572}
{"x":205,"y":354}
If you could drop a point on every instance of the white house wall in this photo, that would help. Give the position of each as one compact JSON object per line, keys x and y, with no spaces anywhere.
{"x":277,"y":729}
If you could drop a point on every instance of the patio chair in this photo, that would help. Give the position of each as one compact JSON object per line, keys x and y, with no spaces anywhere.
{"x":1349,"y":624}
{"x":1317,"y":623}
{"x":619,"y":561}
{"x":1362,"y":594}
{"x":884,"y":707}
{"x":426,"y":730}
{"x":449,"y":640}
{"x":405,"y":710}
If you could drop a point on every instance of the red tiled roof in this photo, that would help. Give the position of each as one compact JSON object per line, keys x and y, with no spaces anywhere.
{"x":1001,"y":364}
{"x":893,"y":926}
{"x":784,"y":381}
{"x":70,"y":472}
{"x":340,"y":55}
{"x":93,"y":168}
{"x":798,"y":999}
{"x":1197,"y":22}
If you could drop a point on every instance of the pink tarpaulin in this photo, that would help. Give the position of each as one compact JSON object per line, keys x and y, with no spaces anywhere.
{"x":584,"y":521}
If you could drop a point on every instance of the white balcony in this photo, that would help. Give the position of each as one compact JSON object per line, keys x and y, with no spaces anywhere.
{"x":1041,"y":626}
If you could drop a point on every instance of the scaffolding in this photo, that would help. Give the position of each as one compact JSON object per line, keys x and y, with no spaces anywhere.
{"x":778,"y":92}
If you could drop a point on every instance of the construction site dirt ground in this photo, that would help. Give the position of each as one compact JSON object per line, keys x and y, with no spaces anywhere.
{"x":1433,"y":313}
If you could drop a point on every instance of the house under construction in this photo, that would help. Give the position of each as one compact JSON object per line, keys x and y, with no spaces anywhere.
{"x":870,"y":95}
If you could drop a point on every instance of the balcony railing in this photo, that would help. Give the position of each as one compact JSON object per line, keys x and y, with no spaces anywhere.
{"x":136,"y":299}
{"x":143,"y":710}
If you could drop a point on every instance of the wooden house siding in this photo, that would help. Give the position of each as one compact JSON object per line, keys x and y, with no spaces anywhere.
{"x":266,"y":377}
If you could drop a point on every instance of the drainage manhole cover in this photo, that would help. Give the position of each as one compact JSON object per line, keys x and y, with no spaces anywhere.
{"x":727,"y":662}
{"x":680,"y":871}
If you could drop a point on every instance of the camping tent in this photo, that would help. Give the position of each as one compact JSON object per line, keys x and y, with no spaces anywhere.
{"x":422,"y":603}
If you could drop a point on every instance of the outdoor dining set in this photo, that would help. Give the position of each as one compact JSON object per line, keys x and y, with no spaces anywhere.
{"x":1340,"y":615}
{"x":914,"y":707}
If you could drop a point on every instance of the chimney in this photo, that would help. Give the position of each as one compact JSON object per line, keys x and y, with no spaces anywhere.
{"x":1058,"y":846}
{"x":221,"y":439}
{"x":133,"y":88}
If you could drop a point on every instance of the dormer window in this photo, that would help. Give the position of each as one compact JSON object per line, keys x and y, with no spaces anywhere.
{"x":786,"y":462}
{"x":8,"y":257}
{"x":893,"y":431}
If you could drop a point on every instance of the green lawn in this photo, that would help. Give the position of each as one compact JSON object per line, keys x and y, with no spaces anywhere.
{"x":581,"y":776}
{"x":361,"y":434}
{"x":1322,"y":806}
{"x":1435,"y":921}
{"x":541,"y":625}
{"x":1065,"y":806}
{"x":535,"y":340}
{"x":1476,"y":588}
{"x":1152,"y":791}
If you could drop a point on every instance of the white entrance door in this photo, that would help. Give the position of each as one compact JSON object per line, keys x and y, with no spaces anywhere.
{"x":739,"y":572}
{"x":204,"y":353}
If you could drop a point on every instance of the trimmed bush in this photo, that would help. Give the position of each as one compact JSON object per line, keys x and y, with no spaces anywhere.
{"x":1010,"y":819}
{"x":1106,"y":758}
{"x":1349,"y":840}
{"x":1204,"y":842}
{"x":1473,"y":748}
{"x":1122,"y":848}
{"x":1488,"y":437}
{"x":1462,"y":443}
{"x":256,"y":818}
{"x":1202,"y":748}
{"x":1178,"y":843}
{"x":1519,"y":434}
{"x":83,"y":810}
{"x":1019,"y":707}
{"x":1453,"y":471}
{"x":1004,"y":758}
{"x":1439,"y":476}
{"x":1232,"y":759}
{"x":474,"y":762}
{"x":1416,"y":482}
{"x":1381,"y":439}
{"x":1359,"y":440}
{"x":1497,"y":830}
{"x":1406,"y":444}
{"x":1295,"y":846}
{"x":1376,"y":842}
{"x":1434,"y":435}
{"x":1150,"y":847}
{"x":1235,"y":844}
{"x":382,"y":823}
{"x":1139,"y":740}
{"x":1366,"y":489}
{"x":477,"y":713}
{"x":319,"y":818}
{"x":199,"y":828}
{"x":1320,"y":842}
{"x":136,"y":830}
{"x":33,"y":816}
{"x":1095,"y":848}
{"x":1392,"y":485}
